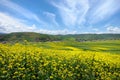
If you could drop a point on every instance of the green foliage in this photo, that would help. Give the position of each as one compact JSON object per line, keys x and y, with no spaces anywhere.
{"x":91,"y":37}
{"x":109,"y":46}
{"x":36,"y":37}
{"x":29,"y":36}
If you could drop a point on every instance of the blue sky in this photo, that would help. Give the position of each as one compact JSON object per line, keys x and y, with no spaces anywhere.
{"x":60,"y":16}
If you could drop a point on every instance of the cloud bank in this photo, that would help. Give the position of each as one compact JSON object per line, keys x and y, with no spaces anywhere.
{"x":9,"y":24}
{"x":112,"y":29}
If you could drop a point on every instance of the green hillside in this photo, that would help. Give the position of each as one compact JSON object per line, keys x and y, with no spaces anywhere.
{"x":90,"y":37}
{"x":29,"y":36}
{"x":37,"y":37}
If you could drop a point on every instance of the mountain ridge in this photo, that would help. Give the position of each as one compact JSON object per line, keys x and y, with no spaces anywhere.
{"x":38,"y":37}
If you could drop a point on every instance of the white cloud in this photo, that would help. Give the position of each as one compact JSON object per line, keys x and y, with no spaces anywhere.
{"x":22,"y":11}
{"x":55,"y":32}
{"x":112,"y":29}
{"x":104,"y":9}
{"x":72,"y":11}
{"x":9,"y":24}
{"x":52,"y":18}
{"x":95,"y":29}
{"x":80,"y":12}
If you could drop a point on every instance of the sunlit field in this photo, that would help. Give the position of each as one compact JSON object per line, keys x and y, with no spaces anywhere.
{"x":67,"y":60}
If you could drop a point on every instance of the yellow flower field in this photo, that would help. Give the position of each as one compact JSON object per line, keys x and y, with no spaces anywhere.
{"x":28,"y":62}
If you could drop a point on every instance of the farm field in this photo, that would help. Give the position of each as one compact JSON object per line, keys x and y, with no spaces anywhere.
{"x":63,"y":60}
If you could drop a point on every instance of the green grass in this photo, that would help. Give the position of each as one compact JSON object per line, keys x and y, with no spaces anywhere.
{"x":110,"y":46}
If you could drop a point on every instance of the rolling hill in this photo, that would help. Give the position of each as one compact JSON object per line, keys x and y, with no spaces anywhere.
{"x":37,"y":37}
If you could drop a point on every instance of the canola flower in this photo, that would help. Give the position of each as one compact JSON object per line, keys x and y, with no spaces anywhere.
{"x":27,"y":62}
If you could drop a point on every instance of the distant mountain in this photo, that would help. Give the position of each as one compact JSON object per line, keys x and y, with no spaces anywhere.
{"x":29,"y":36}
{"x":2,"y":33}
{"x":90,"y":37}
{"x":37,"y":37}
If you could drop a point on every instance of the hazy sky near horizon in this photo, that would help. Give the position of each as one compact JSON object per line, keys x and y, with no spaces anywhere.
{"x":60,"y":16}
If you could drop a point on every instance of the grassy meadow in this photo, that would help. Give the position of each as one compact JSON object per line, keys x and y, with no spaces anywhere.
{"x":60,"y":60}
